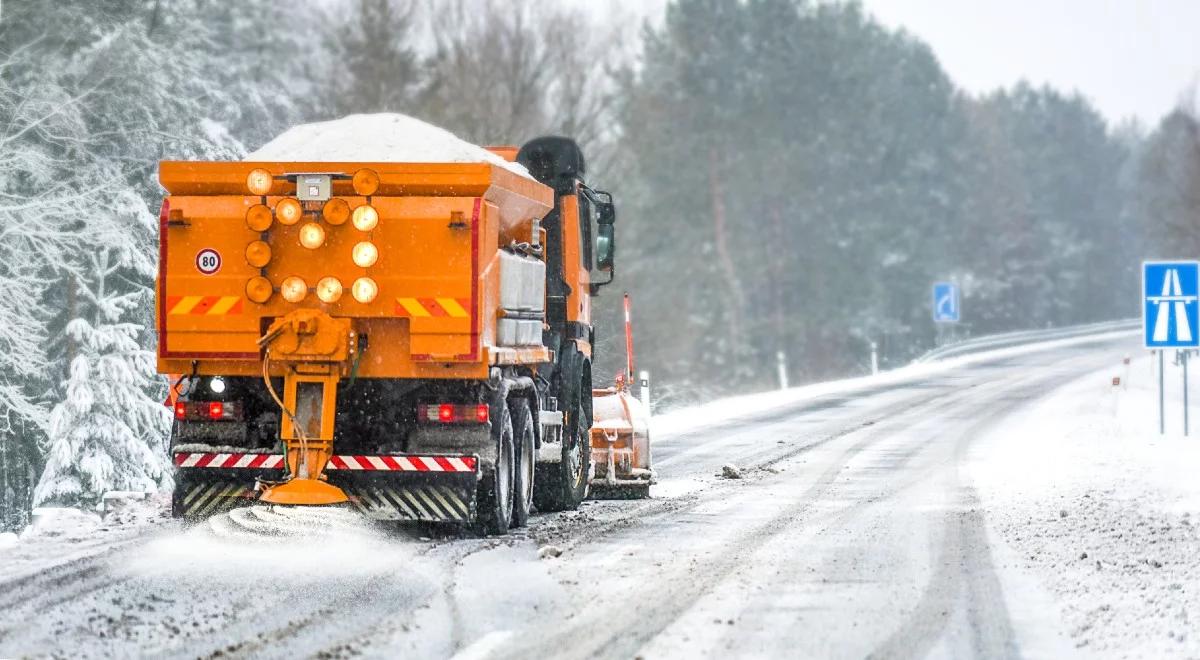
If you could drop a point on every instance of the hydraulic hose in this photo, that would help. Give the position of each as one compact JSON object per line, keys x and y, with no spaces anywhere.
{"x":296,"y":427}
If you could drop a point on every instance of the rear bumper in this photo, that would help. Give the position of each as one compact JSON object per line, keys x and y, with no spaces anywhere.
{"x":393,"y":487}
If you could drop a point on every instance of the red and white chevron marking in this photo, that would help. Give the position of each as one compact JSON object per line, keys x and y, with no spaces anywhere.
{"x":404,"y":463}
{"x":337,"y":462}
{"x":227,"y":461}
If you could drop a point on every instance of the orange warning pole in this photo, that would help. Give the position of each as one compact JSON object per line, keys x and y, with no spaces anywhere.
{"x":628,"y":342}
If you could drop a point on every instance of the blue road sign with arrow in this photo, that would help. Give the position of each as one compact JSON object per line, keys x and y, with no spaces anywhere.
{"x":946,"y":307}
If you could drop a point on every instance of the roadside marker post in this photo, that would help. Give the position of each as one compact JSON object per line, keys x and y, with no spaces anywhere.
{"x":1171,"y":319}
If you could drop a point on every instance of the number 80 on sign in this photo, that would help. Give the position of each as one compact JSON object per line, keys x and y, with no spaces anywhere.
{"x":208,"y":261}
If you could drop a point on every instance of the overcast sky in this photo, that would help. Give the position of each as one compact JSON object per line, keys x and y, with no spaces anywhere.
{"x":1130,"y":57}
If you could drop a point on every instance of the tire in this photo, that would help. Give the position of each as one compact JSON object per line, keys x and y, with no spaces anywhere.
{"x":526,"y":457}
{"x":495,"y":491}
{"x":563,"y":486}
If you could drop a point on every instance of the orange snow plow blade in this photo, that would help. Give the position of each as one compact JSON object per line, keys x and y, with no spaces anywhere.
{"x":620,"y":445}
{"x":621,"y":434}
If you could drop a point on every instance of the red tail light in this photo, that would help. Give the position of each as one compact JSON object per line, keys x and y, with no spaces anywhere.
{"x":453,"y":413}
{"x":218,"y":411}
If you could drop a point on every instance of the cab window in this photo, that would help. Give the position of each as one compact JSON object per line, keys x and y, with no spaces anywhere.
{"x":587,"y":219}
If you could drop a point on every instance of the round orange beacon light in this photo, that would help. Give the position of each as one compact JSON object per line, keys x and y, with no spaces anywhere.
{"x":365,"y":182}
{"x":259,"y":290}
{"x":259,"y":218}
{"x":259,"y":181}
{"x":288,"y":211}
{"x":258,"y":254}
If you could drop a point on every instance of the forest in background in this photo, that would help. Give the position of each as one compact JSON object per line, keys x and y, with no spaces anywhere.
{"x":790,"y":176}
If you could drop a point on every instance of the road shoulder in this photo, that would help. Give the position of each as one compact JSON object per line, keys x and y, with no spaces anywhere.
{"x":1093,"y":510}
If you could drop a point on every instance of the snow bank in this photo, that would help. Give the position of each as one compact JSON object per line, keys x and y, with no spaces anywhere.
{"x":54,"y":521}
{"x":1102,"y":510}
{"x":379,"y":138}
{"x":690,"y":418}
{"x":60,"y":536}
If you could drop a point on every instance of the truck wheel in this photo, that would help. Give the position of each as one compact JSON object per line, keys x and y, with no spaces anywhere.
{"x":522,"y":421}
{"x":563,"y":486}
{"x":495,"y":493}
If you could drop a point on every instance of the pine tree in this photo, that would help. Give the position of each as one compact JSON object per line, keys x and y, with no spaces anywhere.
{"x":793,"y":165}
{"x":1167,"y":184}
{"x":109,"y":88}
{"x":107,"y":433}
{"x":39,"y":213}
{"x":373,"y":65}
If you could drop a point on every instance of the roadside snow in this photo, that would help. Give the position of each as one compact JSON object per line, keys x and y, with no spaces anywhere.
{"x":1103,"y":511}
{"x":377,"y":138}
{"x":683,"y":420}
{"x":59,"y":535}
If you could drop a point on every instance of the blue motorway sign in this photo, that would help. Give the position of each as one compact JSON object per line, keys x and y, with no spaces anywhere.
{"x":1170,"y":312}
{"x":946,"y":307}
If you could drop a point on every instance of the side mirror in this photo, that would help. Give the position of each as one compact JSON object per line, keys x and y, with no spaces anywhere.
{"x":606,"y":211}
{"x":605,"y":246}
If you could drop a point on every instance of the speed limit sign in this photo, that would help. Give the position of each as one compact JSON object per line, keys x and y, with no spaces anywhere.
{"x":208,"y":261}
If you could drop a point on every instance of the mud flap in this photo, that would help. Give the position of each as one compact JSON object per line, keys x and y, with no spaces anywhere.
{"x":396,"y":487}
{"x":440,"y":497}
{"x":204,"y":493}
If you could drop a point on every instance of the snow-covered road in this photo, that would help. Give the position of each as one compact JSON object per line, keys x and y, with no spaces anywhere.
{"x":866,"y":522}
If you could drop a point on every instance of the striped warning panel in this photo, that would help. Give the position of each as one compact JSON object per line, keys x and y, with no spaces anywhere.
{"x":203,"y":499}
{"x":254,"y":461}
{"x":433,"y":307}
{"x":204,"y":305}
{"x":404,"y":463}
{"x":426,"y":503}
{"x":226,"y":461}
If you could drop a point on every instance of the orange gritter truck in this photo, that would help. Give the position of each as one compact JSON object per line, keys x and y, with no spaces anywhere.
{"x":413,"y":340}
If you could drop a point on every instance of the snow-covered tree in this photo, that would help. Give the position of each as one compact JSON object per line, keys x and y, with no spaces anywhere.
{"x":106,"y":434}
{"x":100,"y":93}
{"x":40,"y":138}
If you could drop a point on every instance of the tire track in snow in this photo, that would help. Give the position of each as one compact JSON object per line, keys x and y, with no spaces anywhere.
{"x":965,"y":575}
{"x":653,"y":611}
{"x":625,"y":632}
